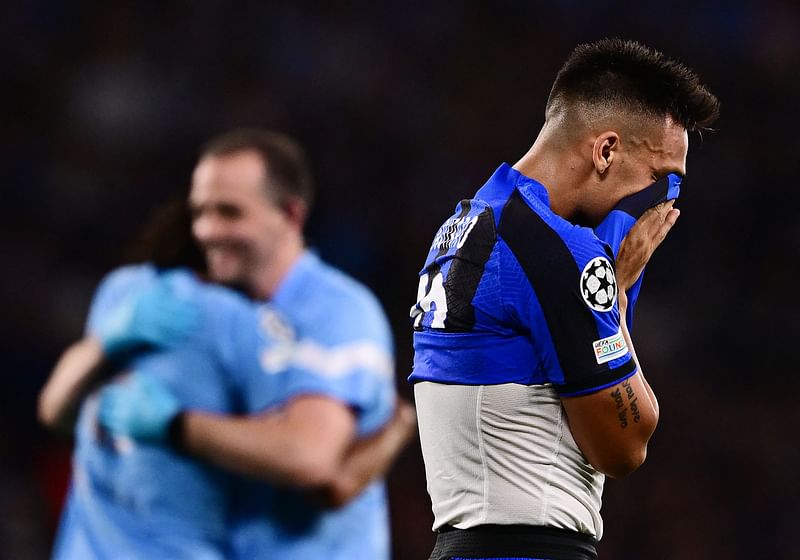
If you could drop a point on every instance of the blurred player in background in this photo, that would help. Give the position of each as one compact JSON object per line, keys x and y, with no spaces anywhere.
{"x":526,"y":382}
{"x":319,"y":379}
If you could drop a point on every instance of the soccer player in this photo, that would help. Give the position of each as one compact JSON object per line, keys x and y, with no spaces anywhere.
{"x":139,"y":501}
{"x":250,"y":195}
{"x":527,"y":386}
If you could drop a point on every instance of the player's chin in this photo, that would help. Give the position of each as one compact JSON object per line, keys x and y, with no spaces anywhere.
{"x":224,"y":267}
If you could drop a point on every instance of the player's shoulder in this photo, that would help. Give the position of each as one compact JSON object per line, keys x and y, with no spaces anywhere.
{"x":130,"y":273}
{"x":333,"y":304}
{"x":539,"y":229}
{"x":213,"y":297}
{"x":336,"y":287}
{"x":584,"y":241}
{"x":128,"y":277}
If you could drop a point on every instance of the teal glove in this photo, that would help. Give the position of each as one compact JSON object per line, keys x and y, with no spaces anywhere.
{"x":140,"y":407}
{"x":156,"y":316}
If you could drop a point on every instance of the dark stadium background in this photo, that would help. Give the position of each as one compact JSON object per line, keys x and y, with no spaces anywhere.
{"x":405,"y":109}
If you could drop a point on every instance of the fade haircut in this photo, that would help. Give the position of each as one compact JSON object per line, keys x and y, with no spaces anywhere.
{"x":619,"y":75}
{"x":288,"y":172}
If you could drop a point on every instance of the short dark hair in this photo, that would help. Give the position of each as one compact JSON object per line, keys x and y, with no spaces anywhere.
{"x":287,"y":166}
{"x":630,"y":76}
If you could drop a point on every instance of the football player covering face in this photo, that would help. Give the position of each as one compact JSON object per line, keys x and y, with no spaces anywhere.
{"x":615,"y":227}
{"x":564,"y":374}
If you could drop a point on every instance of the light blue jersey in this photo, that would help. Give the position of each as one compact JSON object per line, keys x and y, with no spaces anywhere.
{"x":135,"y":500}
{"x":338,"y":344}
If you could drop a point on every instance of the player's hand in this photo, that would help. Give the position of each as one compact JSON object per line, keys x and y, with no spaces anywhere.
{"x":405,"y":416}
{"x":141,"y":407}
{"x":157,"y":316}
{"x":642,"y":241}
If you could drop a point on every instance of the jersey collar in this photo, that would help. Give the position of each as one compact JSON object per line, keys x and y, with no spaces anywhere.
{"x":291,"y":287}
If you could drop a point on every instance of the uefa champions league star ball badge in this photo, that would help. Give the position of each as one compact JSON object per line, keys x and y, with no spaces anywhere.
{"x":598,"y":285}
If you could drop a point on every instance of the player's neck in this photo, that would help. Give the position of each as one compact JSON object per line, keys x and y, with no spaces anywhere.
{"x":559,"y":170}
{"x":269,"y":279}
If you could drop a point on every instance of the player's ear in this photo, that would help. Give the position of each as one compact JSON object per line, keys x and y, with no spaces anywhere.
{"x":604,"y":150}
{"x":296,"y":211}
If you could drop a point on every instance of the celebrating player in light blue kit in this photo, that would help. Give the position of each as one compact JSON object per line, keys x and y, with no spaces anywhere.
{"x":527,"y":385}
{"x":118,"y":506}
{"x":325,"y":367}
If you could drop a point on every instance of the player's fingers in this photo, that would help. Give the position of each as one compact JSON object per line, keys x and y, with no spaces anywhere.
{"x":669,"y":222}
{"x":660,"y":213}
{"x":648,"y":223}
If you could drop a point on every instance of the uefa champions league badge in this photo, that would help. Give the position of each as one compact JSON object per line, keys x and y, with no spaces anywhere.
{"x":598,"y":286}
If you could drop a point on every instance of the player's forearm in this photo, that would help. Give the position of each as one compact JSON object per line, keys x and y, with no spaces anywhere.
{"x":73,"y":377}
{"x":371,"y":457}
{"x":238,"y":444}
{"x":277,"y":447}
{"x":613,"y":427}
{"x":623,"y":303}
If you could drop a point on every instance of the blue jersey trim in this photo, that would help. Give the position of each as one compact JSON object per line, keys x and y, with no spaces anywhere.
{"x":630,"y":372}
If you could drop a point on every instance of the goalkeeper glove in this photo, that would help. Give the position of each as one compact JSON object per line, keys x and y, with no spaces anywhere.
{"x":140,"y":407}
{"x":156,"y":316}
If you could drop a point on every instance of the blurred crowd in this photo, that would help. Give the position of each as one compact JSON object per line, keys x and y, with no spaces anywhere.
{"x":404,"y":110}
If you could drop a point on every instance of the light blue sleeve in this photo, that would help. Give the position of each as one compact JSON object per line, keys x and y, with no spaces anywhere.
{"x":114,"y":288}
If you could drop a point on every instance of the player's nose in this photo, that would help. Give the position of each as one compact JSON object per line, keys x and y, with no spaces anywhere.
{"x":208,"y":228}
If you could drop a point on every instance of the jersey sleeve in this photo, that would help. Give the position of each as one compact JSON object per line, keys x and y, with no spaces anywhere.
{"x":572,"y":314}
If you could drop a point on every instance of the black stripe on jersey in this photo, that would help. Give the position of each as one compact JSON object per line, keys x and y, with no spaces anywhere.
{"x":586,"y":384}
{"x":433,"y":269}
{"x":466,"y":270}
{"x":553,"y":274}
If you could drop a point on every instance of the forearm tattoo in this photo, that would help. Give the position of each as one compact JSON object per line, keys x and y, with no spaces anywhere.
{"x":626,"y":401}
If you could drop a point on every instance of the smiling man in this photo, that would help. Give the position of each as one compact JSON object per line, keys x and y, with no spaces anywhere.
{"x":527,"y":386}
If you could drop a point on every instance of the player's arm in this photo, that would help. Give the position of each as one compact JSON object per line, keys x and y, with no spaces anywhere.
{"x":370,"y":457}
{"x":613,"y":426}
{"x":120,"y":320}
{"x":302,"y":444}
{"x":308,"y":443}
{"x":73,"y":377}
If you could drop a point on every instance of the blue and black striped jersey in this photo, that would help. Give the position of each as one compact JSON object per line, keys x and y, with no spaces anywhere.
{"x":513,"y":293}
